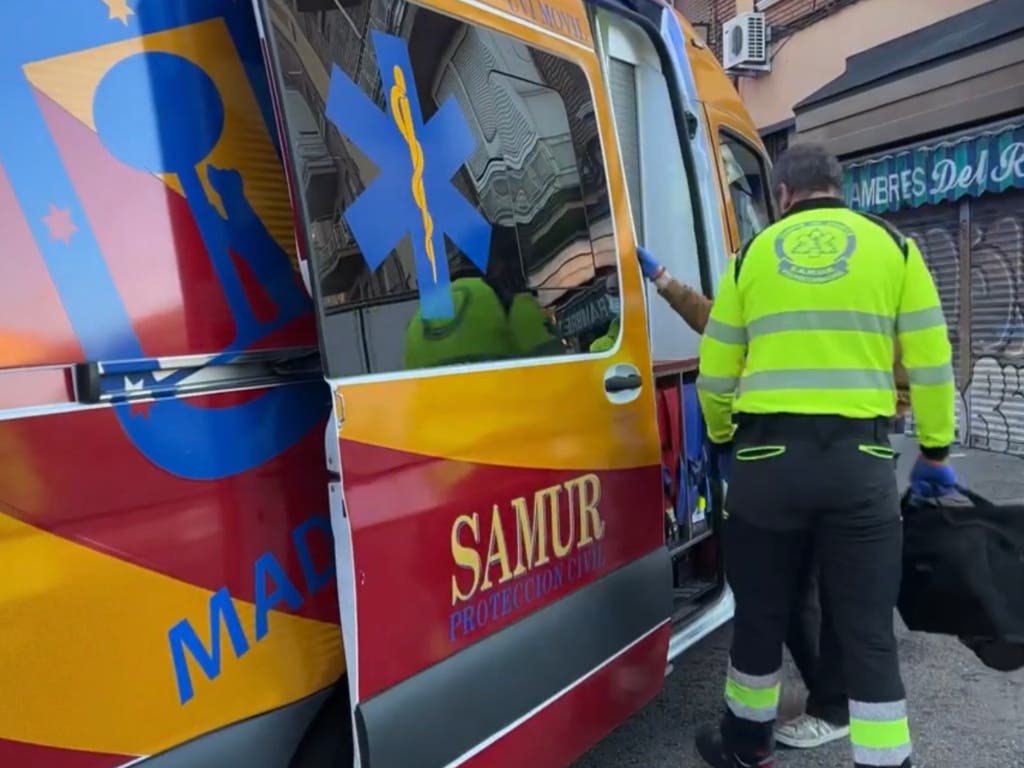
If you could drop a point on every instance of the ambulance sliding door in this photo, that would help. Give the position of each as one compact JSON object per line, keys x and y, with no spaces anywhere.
{"x":657,"y":178}
{"x":497,"y":506}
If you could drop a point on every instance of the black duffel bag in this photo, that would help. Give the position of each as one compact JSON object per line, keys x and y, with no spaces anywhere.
{"x":963,"y":574}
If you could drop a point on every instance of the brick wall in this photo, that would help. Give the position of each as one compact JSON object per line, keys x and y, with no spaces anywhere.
{"x":708,"y":15}
{"x":786,"y":16}
{"x":787,"y":12}
{"x":795,"y":14}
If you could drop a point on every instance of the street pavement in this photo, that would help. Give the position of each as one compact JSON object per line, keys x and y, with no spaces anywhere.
{"x":963,"y":715}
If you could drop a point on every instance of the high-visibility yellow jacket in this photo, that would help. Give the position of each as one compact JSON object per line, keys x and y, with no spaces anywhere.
{"x":806,"y":321}
{"x":695,"y":309}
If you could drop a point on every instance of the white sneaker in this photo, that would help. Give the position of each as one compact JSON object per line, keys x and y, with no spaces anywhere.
{"x":806,"y":732}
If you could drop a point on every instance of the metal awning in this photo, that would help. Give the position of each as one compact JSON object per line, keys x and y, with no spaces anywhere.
{"x":943,"y":171}
{"x":968,"y":68}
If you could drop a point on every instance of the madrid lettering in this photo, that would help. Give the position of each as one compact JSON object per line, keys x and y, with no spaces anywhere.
{"x":272,"y":587}
{"x":947,"y":177}
{"x":520,"y":554}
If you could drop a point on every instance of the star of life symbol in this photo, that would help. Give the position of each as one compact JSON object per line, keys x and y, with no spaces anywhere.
{"x":815,"y":251}
{"x":413,"y":192}
{"x":815,"y":243}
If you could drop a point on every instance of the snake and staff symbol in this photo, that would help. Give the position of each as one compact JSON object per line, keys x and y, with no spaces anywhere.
{"x":412,"y":195}
{"x":402,"y":115}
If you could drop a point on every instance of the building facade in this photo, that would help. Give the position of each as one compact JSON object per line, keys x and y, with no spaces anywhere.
{"x":924,"y":103}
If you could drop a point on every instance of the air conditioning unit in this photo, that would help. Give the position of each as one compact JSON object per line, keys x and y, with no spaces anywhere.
{"x":745,"y":40}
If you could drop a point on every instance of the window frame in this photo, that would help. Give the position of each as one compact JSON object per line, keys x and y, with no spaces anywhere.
{"x":764,"y":164}
{"x":687,"y":127}
{"x":322,"y":311}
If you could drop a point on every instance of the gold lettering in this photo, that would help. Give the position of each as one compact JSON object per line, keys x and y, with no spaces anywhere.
{"x":464,"y":556}
{"x":545,"y":530}
{"x":588,"y":490}
{"x":531,"y":532}
{"x":560,"y":549}
{"x":497,"y":553}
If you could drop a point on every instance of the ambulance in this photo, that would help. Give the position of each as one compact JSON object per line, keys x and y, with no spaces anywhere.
{"x":305,"y":457}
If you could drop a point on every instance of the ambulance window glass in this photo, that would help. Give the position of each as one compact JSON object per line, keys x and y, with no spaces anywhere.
{"x":517,"y":205}
{"x":748,"y":186}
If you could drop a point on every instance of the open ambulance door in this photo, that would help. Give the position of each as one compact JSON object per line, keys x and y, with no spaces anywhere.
{"x":496,"y":496}
{"x":669,"y":199}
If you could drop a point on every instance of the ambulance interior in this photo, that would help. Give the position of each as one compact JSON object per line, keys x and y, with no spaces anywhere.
{"x":537,"y":175}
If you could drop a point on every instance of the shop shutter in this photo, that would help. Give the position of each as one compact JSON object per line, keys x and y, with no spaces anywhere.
{"x":936,"y":230}
{"x":995,"y":393}
{"x":622,"y":82}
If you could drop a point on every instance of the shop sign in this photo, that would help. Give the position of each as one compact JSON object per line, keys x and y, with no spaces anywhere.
{"x":590,"y":311}
{"x":930,"y":174}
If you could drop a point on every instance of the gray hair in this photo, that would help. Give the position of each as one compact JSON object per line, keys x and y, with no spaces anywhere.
{"x":807,"y":168}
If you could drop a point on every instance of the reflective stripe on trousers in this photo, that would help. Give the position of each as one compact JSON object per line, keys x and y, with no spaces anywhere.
{"x":754,"y":698}
{"x":879,"y":733}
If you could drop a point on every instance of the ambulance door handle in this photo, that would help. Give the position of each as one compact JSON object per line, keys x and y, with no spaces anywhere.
{"x":622,"y":383}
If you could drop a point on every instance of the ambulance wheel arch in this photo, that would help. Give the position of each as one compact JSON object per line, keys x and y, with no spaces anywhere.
{"x":497,"y":489}
{"x":325,"y":740}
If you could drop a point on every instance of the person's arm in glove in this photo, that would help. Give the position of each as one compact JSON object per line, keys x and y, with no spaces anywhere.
{"x":691,"y":305}
{"x":932,"y":478}
{"x":927,"y":357}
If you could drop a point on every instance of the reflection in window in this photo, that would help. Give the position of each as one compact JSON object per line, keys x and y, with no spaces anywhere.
{"x":748,"y":186}
{"x":535,"y":174}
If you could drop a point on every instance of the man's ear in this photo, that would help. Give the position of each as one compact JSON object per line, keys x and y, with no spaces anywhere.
{"x":782,"y":198}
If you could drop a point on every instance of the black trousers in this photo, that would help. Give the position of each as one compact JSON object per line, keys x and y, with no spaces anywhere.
{"x":814,"y":646}
{"x":821,"y":488}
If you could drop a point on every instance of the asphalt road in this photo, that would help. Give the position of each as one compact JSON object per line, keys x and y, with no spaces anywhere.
{"x":963,"y":715}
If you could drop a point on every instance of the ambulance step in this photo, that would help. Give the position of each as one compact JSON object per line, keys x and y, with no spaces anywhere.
{"x":692,"y":591}
{"x":688,"y":601}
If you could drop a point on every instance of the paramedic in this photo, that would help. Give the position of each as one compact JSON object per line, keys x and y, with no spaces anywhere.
{"x":799,"y":350}
{"x":810,"y":635}
{"x":496,"y":317}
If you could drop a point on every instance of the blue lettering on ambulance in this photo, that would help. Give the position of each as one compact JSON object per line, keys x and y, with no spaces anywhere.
{"x":266,"y":566}
{"x":315,"y":580}
{"x":185,"y":639}
{"x":183,"y":636}
{"x":475,"y":616}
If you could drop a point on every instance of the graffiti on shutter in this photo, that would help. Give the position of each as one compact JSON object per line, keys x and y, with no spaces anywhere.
{"x":995,"y":393}
{"x":936,"y":230}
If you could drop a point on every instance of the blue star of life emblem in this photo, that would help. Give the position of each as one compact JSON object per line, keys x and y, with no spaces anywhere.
{"x":413,"y":192}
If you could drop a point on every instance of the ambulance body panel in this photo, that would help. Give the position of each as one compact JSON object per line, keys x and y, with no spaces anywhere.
{"x":216,"y":490}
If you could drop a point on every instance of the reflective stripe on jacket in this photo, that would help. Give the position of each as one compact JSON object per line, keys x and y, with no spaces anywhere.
{"x":695,"y":308}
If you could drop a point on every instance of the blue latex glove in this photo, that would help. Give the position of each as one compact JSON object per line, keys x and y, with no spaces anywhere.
{"x":932,"y":479}
{"x":648,"y":265}
{"x":721,"y":455}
